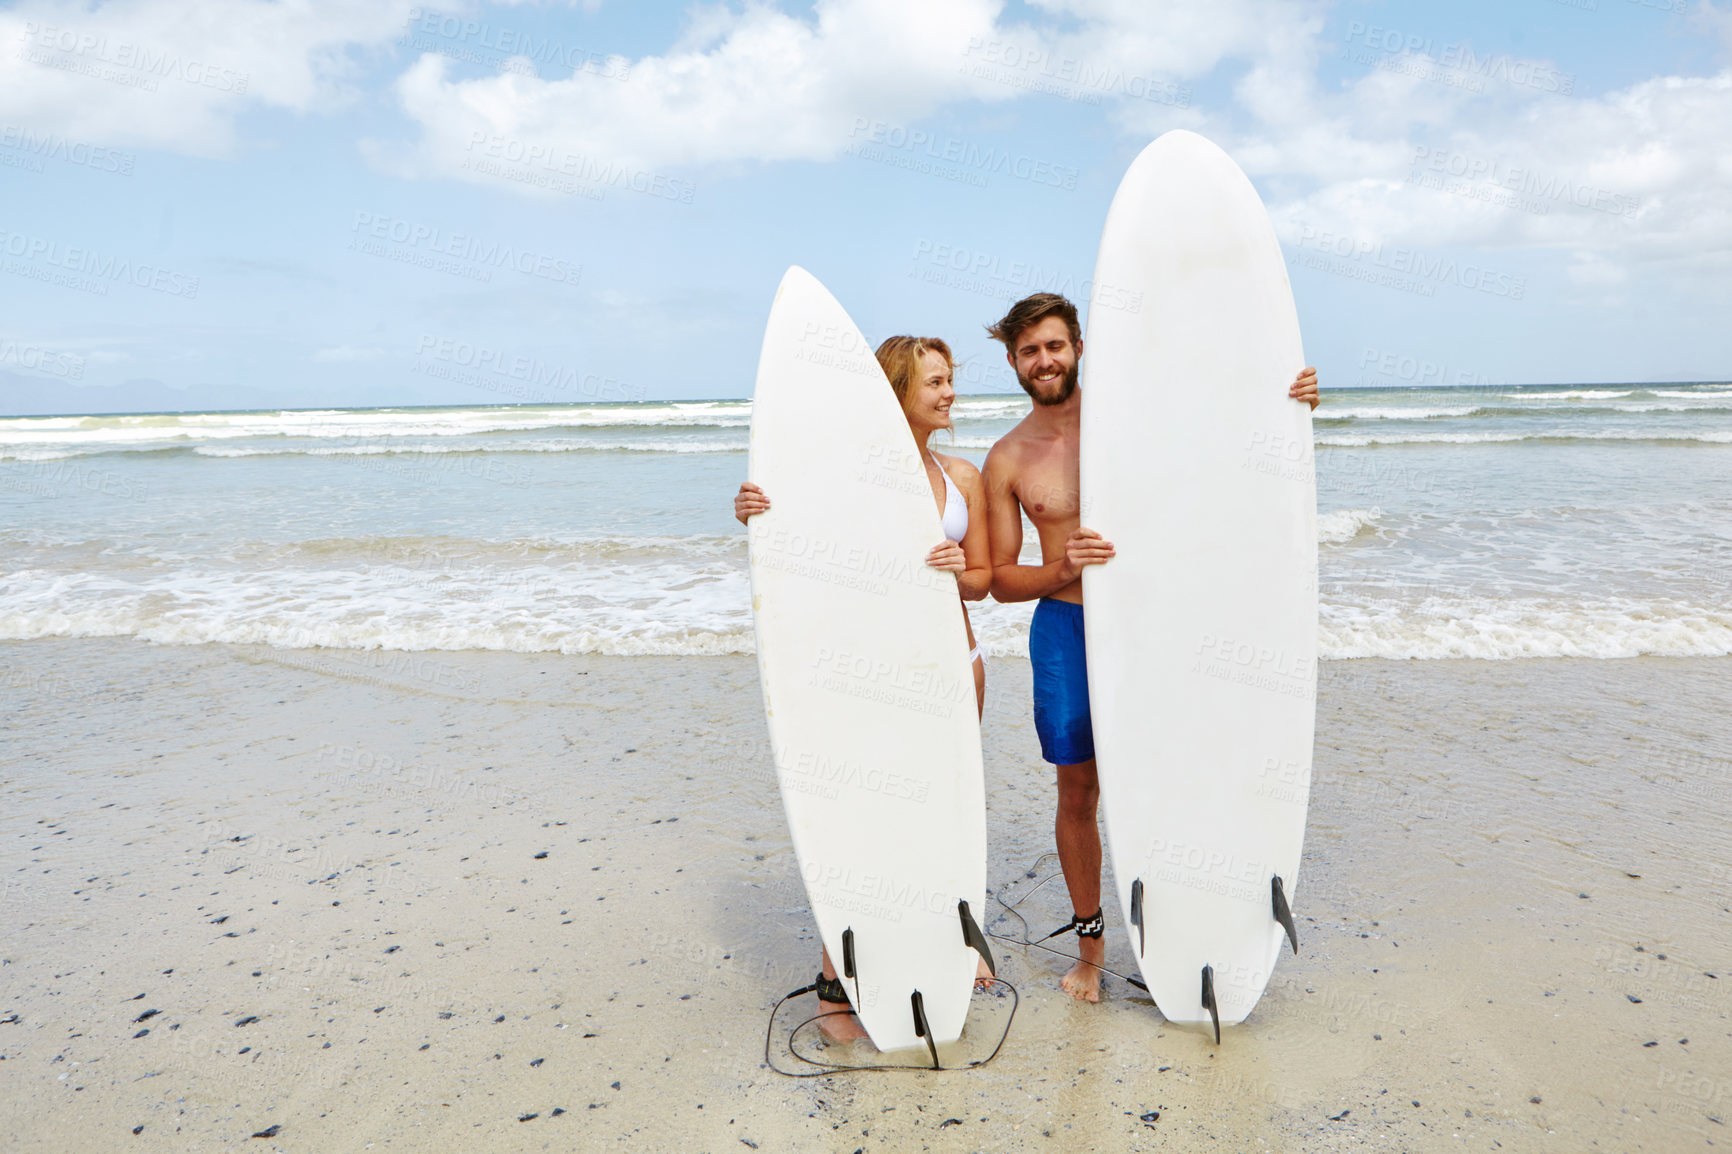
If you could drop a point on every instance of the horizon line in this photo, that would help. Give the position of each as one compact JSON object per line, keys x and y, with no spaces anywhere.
{"x":711,"y":400}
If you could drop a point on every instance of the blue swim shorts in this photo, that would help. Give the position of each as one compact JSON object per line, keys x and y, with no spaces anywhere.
{"x":1061,"y":683}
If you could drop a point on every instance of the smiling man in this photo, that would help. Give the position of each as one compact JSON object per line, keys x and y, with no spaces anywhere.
{"x":1032,"y":470}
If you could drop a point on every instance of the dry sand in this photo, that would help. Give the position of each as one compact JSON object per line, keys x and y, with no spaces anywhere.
{"x":483,"y":901}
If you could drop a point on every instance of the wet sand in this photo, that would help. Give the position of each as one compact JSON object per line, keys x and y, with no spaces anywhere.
{"x":487,"y":901}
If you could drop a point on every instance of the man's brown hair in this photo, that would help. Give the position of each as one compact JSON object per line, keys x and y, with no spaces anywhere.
{"x":1031,"y":310}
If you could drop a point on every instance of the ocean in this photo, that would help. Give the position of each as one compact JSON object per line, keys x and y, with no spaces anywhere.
{"x":1488,"y":522}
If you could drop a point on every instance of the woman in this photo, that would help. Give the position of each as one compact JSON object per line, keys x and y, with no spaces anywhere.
{"x":920,"y":371}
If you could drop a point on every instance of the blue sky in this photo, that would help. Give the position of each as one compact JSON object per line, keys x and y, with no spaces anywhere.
{"x":248,"y":205}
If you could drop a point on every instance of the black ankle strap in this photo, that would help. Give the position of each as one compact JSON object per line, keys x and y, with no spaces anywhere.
{"x":831,"y":990}
{"x":1092,"y":926}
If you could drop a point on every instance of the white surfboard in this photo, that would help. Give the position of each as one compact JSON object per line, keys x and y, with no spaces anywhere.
{"x":1202,"y":631}
{"x":863,"y":658}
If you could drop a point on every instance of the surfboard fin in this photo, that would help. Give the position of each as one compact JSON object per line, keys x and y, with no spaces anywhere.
{"x":973,"y":938}
{"x":921,"y":1029}
{"x":1283,"y":913}
{"x":848,"y":954}
{"x":1137,"y":916}
{"x":1209,"y":1000}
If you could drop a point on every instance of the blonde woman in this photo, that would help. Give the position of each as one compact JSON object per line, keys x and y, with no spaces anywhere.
{"x":921,"y":371}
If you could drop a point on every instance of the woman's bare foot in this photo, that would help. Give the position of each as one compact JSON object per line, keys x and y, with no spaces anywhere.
{"x":1084,"y":980}
{"x":983,"y":978}
{"x":839,"y":1023}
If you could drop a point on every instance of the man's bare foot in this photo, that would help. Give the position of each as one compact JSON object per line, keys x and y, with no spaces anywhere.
{"x":839,"y":1023}
{"x":1084,"y":980}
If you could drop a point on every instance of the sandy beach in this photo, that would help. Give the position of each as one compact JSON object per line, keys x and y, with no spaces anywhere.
{"x":329,"y":900}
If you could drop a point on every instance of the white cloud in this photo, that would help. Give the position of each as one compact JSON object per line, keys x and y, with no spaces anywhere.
{"x":1430,"y":153}
{"x":1638,"y":174}
{"x":1413,"y":152}
{"x":1718,"y":22}
{"x":759,"y":84}
{"x":177,"y":74}
{"x":1182,"y":39}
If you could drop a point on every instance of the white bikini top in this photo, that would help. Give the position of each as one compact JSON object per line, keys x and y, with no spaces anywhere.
{"x":955,"y":509}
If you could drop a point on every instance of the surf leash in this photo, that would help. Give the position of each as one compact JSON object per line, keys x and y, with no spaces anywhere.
{"x":1077,"y":924}
{"x":827,"y":1068}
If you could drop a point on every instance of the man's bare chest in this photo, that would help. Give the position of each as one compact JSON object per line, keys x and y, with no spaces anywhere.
{"x":1048,"y":488}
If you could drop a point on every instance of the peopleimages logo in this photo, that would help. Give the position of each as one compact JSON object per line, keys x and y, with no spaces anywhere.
{"x":1455,"y":64}
{"x":916,"y":149}
{"x":81,"y":261}
{"x":1527,"y":189}
{"x":52,"y":146}
{"x":466,"y":363}
{"x":1285,"y":780}
{"x":1405,"y":262}
{"x":894,"y":892}
{"x":1279,"y":454}
{"x":56,"y":478}
{"x":1385,"y":364}
{"x":836,"y":347}
{"x":139,"y":65}
{"x":43,"y":360}
{"x":461,"y":38}
{"x":991,"y":275}
{"x":561,"y":170}
{"x":1069,"y":77}
{"x":841,"y":562}
{"x":825,"y":774}
{"x":429,"y":245}
{"x":1209,"y":868}
{"x":1244,"y":662}
{"x":920,"y":689}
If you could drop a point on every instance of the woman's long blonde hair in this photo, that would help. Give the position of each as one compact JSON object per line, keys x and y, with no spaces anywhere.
{"x":900,"y":359}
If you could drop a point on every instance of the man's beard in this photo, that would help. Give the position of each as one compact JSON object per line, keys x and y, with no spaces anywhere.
{"x":1066,"y":387}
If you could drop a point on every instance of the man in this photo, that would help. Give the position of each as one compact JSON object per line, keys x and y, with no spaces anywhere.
{"x":1032,"y":470}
